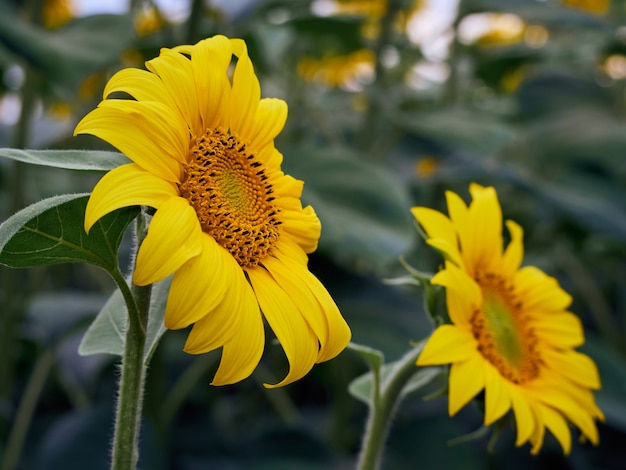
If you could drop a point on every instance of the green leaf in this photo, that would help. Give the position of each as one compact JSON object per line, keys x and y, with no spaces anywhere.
{"x":373,"y":357}
{"x":107,"y":333}
{"x":51,"y":232}
{"x":364,"y":209}
{"x":460,"y":128}
{"x":68,"y":54}
{"x":89,"y":160}
{"x":361,"y":387}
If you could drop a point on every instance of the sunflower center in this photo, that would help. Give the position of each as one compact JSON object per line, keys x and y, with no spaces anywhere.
{"x":232,"y":196}
{"x":504,"y":337}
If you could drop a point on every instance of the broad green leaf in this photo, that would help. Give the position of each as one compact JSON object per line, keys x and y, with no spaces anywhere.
{"x":363,"y":208}
{"x":373,"y":357}
{"x":361,"y":387}
{"x":51,"y":232}
{"x":89,"y":160}
{"x":462,"y":129}
{"x":68,"y":54}
{"x":106,"y":335}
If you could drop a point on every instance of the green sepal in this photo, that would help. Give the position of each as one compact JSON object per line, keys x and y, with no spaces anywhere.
{"x":107,"y":333}
{"x":87,"y":160}
{"x":51,"y":232}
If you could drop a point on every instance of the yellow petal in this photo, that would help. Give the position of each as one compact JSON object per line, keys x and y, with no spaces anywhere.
{"x":447,"y":344}
{"x":577,"y":367}
{"x":242,"y":354}
{"x":524,"y":417}
{"x":314,"y":303}
{"x":147,"y":132}
{"x":199,"y":286}
{"x":570,"y":407}
{"x":246,"y":94}
{"x":497,"y":400}
{"x":558,"y":426}
{"x":540,"y":431}
{"x":140,"y":84}
{"x":435,"y":224}
{"x":175,"y":70}
{"x":303,"y":227}
{"x":220,"y":325}
{"x":288,"y":249}
{"x":288,"y":186}
{"x":466,"y":380}
{"x":440,"y":230}
{"x":463,"y":295}
{"x":448,"y":251}
{"x":124,"y":186}
{"x":174,"y":237}
{"x":482,"y":242}
{"x":210,"y":62}
{"x":540,"y":291}
{"x":514,"y":253}
{"x":560,"y":330}
{"x":270,"y":119}
{"x":293,"y":333}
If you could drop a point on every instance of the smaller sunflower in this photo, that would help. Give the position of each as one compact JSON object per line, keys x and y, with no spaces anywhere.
{"x":511,"y":334}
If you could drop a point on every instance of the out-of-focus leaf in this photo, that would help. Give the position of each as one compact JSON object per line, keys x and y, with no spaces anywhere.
{"x":560,"y":138}
{"x":533,"y":12}
{"x":553,"y":92}
{"x":52,"y":316}
{"x":90,"y":160}
{"x":586,"y":208}
{"x":465,"y":130}
{"x":70,"y":53}
{"x":612,"y":368}
{"x":107,"y":333}
{"x":51,"y":232}
{"x":363,"y":208}
{"x":338,"y":35}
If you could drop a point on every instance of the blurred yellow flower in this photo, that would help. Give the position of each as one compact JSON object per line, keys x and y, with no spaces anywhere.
{"x":426,"y":166}
{"x":147,"y":20}
{"x":597,"y":7}
{"x":339,"y":71}
{"x":56,"y":13}
{"x":229,"y":223}
{"x":511,"y":333}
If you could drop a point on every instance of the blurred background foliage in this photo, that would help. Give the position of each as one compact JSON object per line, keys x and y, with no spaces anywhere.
{"x":391,"y":102}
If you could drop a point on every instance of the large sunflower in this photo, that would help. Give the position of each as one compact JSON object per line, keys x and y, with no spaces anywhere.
{"x":229,"y":223}
{"x":510,"y":334}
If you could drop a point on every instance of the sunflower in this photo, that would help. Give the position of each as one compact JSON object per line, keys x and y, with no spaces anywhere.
{"x":229,"y":223}
{"x":511,"y":334}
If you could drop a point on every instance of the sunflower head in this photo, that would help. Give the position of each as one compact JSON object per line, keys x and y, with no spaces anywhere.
{"x":511,"y":334}
{"x":229,"y":224}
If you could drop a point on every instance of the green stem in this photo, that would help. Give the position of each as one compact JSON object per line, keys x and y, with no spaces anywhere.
{"x":132,"y":381}
{"x":26,"y":409}
{"x":197,"y":9}
{"x":13,"y":292}
{"x":385,"y":401}
{"x":373,"y":116}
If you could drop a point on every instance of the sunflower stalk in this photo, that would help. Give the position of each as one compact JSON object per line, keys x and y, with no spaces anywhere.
{"x":386,"y":397}
{"x":132,"y":381}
